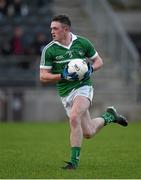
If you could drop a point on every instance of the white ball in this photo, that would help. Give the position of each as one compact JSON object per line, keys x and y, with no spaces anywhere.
{"x":79,"y":66}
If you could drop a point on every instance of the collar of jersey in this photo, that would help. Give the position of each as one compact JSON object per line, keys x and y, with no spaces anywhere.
{"x":74,"y":37}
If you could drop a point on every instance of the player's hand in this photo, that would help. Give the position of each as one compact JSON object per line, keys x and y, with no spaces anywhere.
{"x":68,"y":76}
{"x":90,"y":71}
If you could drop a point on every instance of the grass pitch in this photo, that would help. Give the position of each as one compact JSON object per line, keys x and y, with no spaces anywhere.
{"x":37,"y":150}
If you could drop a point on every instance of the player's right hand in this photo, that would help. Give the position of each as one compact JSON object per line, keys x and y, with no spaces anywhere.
{"x":68,"y":76}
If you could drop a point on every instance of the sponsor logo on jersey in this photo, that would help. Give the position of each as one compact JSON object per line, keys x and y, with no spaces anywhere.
{"x":59,"y":57}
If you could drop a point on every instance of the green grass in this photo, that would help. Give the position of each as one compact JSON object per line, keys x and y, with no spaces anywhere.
{"x":37,"y":150}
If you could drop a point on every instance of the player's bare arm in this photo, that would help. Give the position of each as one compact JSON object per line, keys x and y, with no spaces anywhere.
{"x":46,"y":76}
{"x":97,"y":63}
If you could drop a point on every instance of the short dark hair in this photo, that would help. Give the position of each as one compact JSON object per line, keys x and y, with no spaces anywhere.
{"x":62,"y":19}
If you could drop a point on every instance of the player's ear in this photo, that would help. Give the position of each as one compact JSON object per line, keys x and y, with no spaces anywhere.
{"x":66,"y":28}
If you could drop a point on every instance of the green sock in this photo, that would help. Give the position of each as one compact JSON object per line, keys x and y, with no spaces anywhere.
{"x":108,"y":117}
{"x":75,"y":154}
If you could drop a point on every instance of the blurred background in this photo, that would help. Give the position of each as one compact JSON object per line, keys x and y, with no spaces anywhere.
{"x":114,"y":27}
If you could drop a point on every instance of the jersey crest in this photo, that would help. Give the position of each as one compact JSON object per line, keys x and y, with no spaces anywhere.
{"x":69,"y":53}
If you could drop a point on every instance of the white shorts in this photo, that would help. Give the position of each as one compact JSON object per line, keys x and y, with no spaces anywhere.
{"x":67,"y":101}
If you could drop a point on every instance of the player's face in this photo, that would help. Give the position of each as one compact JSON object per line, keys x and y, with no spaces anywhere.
{"x":58,"y":31}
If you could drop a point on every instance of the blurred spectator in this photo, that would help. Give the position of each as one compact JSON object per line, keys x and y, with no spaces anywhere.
{"x":3,"y":8}
{"x":40,"y":42}
{"x":18,"y":8}
{"x":17,"y":46}
{"x":6,"y":47}
{"x":22,"y":45}
{"x":17,"y":41}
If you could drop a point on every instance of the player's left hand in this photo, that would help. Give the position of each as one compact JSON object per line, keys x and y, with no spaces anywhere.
{"x":90,"y":71}
{"x":68,"y":76}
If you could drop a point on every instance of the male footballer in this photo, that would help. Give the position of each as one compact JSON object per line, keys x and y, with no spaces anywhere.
{"x":76,"y":95}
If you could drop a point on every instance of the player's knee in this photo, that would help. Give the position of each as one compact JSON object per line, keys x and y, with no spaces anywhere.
{"x":88,"y":135}
{"x":74,"y":122}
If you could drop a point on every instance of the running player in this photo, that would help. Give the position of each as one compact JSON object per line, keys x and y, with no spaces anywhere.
{"x":76,"y":95}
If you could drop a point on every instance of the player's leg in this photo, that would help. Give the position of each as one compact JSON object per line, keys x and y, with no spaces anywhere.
{"x":81,"y":123}
{"x":91,"y":126}
{"x":79,"y":107}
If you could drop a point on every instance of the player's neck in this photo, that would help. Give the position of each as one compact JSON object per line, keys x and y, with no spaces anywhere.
{"x":67,"y":40}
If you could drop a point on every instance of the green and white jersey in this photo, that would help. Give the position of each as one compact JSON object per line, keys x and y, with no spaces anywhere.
{"x":56,"y":56}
